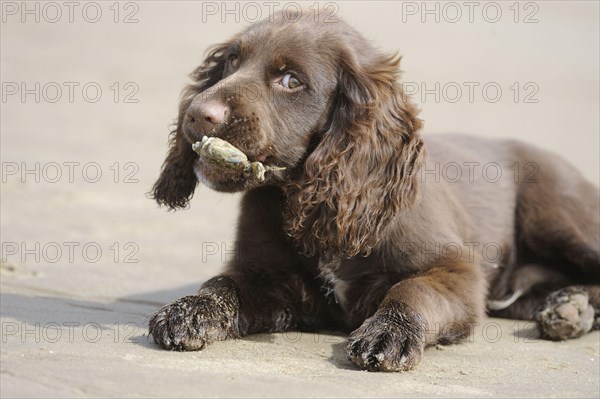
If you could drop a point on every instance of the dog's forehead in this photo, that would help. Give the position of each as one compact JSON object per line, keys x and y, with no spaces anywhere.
{"x":280,"y":35}
{"x":279,"y":41}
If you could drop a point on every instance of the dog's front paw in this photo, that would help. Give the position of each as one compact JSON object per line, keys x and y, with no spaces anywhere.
{"x":566,"y":314}
{"x":391,"y":340}
{"x":194,"y":321}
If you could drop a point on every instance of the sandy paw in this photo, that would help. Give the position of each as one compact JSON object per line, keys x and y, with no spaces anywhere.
{"x":388,"y":341}
{"x":566,"y":314}
{"x":194,"y":321}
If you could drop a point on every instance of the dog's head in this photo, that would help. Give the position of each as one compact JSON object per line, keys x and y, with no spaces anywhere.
{"x":315,"y":98}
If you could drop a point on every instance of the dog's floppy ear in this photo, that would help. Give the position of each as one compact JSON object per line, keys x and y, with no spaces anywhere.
{"x":177,"y":182}
{"x":364,"y":169}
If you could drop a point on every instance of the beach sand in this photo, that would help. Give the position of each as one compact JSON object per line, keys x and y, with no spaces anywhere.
{"x":86,"y":256}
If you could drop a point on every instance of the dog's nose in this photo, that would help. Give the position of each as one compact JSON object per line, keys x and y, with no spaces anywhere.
{"x":205,"y":114}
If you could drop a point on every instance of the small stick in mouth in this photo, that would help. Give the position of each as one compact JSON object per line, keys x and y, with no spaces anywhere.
{"x":224,"y":155}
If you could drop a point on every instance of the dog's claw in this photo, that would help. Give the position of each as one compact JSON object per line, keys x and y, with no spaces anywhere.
{"x":387,"y":342}
{"x":566,"y":314}
{"x":192,"y":322}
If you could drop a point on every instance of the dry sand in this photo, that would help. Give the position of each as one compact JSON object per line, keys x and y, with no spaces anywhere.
{"x":73,"y":323}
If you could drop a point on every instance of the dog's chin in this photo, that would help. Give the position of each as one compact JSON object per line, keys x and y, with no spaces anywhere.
{"x":227,"y":181}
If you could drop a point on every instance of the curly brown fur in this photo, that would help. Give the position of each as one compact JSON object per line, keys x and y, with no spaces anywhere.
{"x":363,"y":172}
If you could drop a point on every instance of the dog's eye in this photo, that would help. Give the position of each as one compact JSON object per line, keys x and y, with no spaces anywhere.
{"x":289,"y":81}
{"x":234,"y":61}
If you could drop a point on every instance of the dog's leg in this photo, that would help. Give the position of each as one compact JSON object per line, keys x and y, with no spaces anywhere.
{"x":267,"y":288}
{"x":558,"y":219}
{"x":232,"y":306}
{"x":439,"y":306}
{"x":562,"y":314}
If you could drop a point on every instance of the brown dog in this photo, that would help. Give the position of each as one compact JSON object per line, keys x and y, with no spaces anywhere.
{"x":370,"y":228}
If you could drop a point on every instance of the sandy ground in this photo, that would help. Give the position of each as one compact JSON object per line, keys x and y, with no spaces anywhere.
{"x":86,"y":256}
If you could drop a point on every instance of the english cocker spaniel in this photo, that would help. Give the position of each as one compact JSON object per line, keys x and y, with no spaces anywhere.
{"x":363,"y":225}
